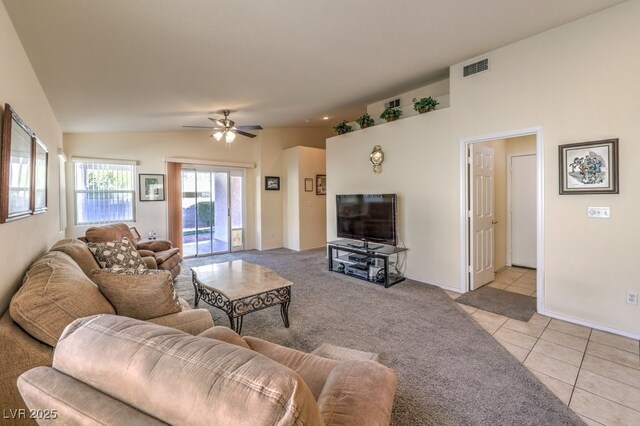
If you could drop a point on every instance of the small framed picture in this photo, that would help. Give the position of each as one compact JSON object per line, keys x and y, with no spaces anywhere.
{"x":308,"y":185}
{"x":151,"y":187}
{"x":589,"y":167}
{"x":321,"y":184}
{"x":272,"y":183}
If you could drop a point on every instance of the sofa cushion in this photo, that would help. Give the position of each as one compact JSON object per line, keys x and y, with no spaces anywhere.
{"x":79,"y":252}
{"x":141,"y":294}
{"x":118,"y":254}
{"x":166,"y":255}
{"x":55,"y":292}
{"x":154,"y":245}
{"x":103,"y":234}
{"x":183,"y":379}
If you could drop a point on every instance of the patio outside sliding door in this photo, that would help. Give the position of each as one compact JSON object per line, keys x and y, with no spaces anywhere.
{"x":212,"y":214}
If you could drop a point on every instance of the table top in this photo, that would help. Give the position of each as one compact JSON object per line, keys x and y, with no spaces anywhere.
{"x":237,"y":279}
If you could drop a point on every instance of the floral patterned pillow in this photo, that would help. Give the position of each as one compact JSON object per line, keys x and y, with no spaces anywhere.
{"x":119,"y":254}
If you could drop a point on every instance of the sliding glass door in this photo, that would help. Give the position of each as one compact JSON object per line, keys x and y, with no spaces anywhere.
{"x":212,"y":211}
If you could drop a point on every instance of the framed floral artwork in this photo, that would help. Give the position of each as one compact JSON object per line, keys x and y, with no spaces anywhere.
{"x":589,"y":167}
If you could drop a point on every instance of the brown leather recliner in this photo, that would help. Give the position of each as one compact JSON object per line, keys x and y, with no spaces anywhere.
{"x":157,"y":254}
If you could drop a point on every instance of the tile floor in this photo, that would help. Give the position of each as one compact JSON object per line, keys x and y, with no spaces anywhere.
{"x":596,"y":373}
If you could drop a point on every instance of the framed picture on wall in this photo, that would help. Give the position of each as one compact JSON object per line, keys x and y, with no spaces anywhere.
{"x":589,"y":167}
{"x":272,"y":183}
{"x":321,"y":184}
{"x":151,"y":187}
{"x":308,"y":185}
{"x":16,"y":184}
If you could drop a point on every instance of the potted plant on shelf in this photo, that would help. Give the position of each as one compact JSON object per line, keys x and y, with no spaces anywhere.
{"x":343,"y":128}
{"x":391,"y":114}
{"x":425,"y":104}
{"x":365,"y":121}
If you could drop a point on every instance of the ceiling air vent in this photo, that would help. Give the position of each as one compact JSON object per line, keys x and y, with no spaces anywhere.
{"x":475,"y":68}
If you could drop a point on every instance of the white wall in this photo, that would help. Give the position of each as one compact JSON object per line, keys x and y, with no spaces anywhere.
{"x":264,"y":215}
{"x":24,"y":240}
{"x":578,"y":81}
{"x":305,"y":224}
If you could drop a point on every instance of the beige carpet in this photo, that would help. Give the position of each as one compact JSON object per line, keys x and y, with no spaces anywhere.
{"x":450,"y":371}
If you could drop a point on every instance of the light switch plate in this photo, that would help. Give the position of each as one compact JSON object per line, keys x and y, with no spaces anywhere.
{"x":599,"y":212}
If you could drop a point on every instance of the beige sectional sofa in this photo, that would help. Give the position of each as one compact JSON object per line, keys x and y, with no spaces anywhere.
{"x":56,"y":290}
{"x":113,"y":368}
{"x":177,"y":368}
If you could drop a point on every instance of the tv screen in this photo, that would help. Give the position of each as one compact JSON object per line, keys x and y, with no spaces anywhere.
{"x":370,"y":217}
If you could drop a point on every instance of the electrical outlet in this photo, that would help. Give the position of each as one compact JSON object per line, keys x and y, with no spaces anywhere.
{"x":632,"y":297}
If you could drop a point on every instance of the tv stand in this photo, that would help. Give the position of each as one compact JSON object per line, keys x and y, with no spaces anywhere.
{"x":364,"y":245}
{"x":366,"y":262}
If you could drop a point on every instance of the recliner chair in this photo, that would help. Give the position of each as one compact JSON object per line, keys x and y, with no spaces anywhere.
{"x":157,"y":254}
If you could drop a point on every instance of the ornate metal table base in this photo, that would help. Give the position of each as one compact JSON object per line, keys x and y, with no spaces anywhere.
{"x":237,"y":309}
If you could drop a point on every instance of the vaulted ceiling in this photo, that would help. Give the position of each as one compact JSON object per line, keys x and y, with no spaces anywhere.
{"x":143,"y":65}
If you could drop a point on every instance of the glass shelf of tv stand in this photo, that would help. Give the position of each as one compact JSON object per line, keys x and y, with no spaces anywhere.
{"x":377,"y":257}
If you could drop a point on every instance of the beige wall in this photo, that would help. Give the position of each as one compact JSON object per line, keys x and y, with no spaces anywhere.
{"x":549,"y":80}
{"x":270,"y":204}
{"x":305,"y":221}
{"x":150,"y":149}
{"x":420,"y":166}
{"x":25,"y":239}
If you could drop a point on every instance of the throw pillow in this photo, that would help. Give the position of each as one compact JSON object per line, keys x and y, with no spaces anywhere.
{"x":118,"y":254}
{"x":140,"y":294}
{"x":54,"y":293}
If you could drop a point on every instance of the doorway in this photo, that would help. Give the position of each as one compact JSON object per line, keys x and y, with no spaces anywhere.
{"x":494,"y":236}
{"x":212,"y":210}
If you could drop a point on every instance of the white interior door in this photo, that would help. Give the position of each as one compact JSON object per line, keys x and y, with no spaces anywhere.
{"x":523,"y":211}
{"x":482,"y":215}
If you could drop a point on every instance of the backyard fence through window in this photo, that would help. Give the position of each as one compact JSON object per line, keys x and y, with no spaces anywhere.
{"x":104,"y":191}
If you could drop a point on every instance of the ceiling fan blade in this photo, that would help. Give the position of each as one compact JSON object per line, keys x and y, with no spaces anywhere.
{"x":198,"y":127}
{"x":218,"y":122}
{"x":249,"y":135}
{"x":254,"y":127}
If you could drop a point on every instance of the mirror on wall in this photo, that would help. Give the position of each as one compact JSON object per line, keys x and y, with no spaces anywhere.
{"x":23,"y":173}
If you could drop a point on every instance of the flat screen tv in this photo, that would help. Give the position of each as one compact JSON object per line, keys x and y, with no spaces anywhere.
{"x":368,"y":217}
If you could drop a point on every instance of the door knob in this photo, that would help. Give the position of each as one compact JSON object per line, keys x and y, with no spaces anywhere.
{"x":493,"y":222}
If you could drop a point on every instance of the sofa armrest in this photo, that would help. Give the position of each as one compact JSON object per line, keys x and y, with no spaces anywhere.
{"x":313,"y":369}
{"x":20,"y":352}
{"x":154,"y":245}
{"x":61,"y":399}
{"x":193,"y":321}
{"x":358,"y":392}
{"x":150,"y":261}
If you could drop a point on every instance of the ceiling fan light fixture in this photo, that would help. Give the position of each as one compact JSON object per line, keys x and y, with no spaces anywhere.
{"x":230,"y":137}
{"x":218,"y":135}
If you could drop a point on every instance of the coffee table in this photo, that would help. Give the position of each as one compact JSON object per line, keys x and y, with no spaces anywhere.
{"x":239,"y":288}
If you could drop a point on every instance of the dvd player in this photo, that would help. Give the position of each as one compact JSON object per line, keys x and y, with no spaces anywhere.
{"x":362,"y":258}
{"x":361,"y":271}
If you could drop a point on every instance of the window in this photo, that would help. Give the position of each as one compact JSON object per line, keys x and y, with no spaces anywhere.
{"x":104,"y":191}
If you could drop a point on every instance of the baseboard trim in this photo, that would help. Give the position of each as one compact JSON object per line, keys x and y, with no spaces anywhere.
{"x":591,"y":325}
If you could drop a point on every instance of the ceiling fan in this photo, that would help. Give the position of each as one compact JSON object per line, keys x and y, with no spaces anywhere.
{"x":225,"y":128}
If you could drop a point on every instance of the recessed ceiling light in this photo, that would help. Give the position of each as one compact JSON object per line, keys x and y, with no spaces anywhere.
{"x":326,"y":117}
{"x":308,"y":120}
